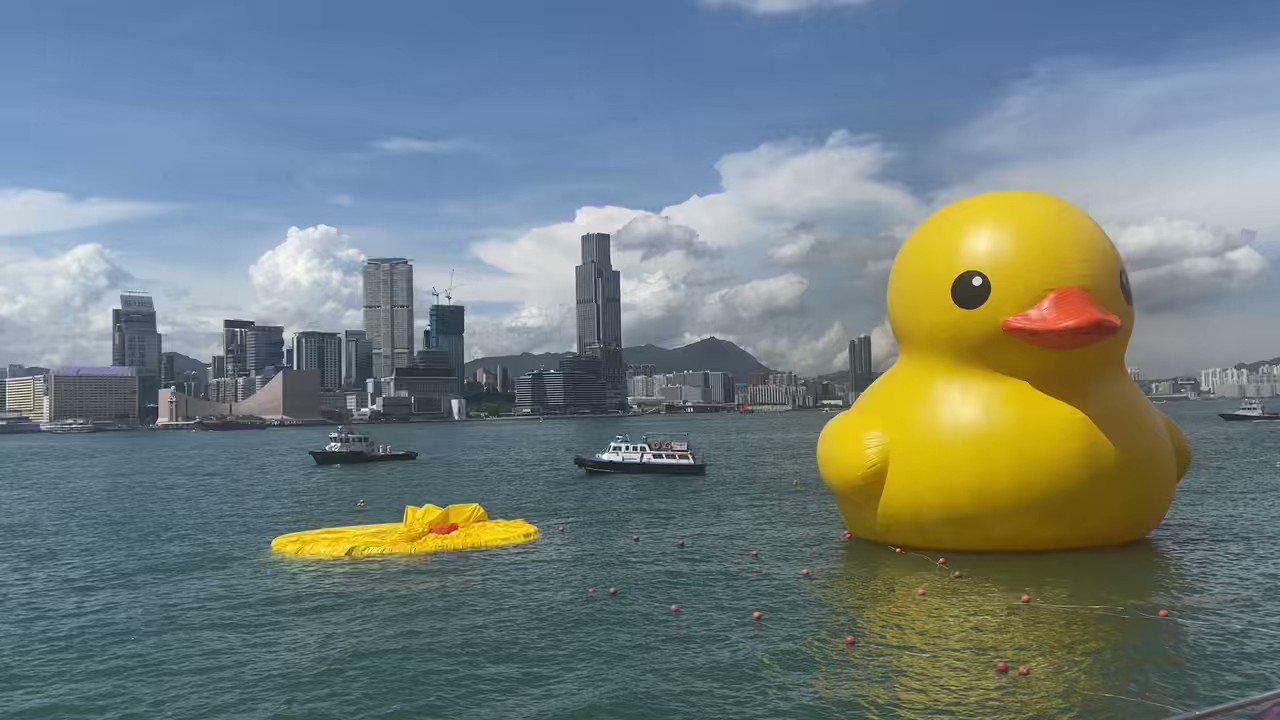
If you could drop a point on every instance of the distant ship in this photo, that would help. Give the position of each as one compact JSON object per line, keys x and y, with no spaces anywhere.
{"x":349,"y":446}
{"x":217,"y":424}
{"x":1250,"y":410}
{"x":12,"y":424}
{"x":70,"y":425}
{"x":668,"y":454}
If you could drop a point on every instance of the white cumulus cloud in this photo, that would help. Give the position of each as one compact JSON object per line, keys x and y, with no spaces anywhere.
{"x":55,"y":308}
{"x":310,"y":281}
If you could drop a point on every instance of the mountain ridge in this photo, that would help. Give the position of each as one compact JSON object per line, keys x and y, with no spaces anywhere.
{"x":710,"y":353}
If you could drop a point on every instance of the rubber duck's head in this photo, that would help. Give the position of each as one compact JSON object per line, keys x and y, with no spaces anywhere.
{"x":1015,"y":281}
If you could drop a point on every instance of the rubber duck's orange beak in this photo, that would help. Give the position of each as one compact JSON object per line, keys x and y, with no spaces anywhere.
{"x":1065,"y":319}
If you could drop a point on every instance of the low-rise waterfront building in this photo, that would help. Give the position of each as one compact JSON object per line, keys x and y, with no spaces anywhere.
{"x":558,"y":392}
{"x":289,"y":395}
{"x":93,"y":393}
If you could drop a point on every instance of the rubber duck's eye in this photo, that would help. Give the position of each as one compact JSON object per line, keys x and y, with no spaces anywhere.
{"x":970,"y":290}
{"x":1124,"y":286}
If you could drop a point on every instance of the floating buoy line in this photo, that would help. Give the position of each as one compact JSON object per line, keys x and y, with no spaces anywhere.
{"x":1003,"y":666}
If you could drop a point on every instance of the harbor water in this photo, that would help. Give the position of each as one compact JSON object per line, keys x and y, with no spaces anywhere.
{"x":136,"y":581}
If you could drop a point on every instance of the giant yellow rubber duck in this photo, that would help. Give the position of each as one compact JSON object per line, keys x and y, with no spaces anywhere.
{"x":1009,"y":421}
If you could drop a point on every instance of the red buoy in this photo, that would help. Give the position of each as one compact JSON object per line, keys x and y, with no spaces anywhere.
{"x":757,"y":615}
{"x":897,"y":549}
{"x":613,"y":591}
{"x":1002,"y":667}
{"x":676,"y":608}
{"x":956,"y":574}
{"x":805,"y":572}
{"x":850,"y":640}
{"x":1023,"y":670}
{"x":942,"y":561}
{"x":848,"y":535}
{"x":920,"y":592}
{"x":1164,"y":613}
{"x":1025,"y":598}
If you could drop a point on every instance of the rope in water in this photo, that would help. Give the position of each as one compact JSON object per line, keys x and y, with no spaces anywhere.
{"x":1270,"y":699}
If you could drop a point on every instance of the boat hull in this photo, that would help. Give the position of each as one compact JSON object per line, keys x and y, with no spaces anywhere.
{"x":1237,"y":417}
{"x":330,"y":457}
{"x":595,"y":465}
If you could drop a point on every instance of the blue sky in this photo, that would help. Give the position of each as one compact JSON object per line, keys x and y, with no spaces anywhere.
{"x":428,"y":129}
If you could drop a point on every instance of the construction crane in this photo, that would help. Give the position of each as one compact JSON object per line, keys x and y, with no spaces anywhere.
{"x":448,"y":292}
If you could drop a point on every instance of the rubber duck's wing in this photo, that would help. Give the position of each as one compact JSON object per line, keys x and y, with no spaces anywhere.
{"x":1181,"y":448}
{"x":853,"y":456}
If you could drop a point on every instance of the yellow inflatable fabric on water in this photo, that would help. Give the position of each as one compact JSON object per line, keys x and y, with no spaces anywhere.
{"x":429,"y":528}
{"x":1009,"y":421}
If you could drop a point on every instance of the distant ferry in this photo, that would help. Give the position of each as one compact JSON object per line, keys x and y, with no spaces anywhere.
{"x":668,"y":454}
{"x":70,"y":425}
{"x":217,"y":424}
{"x":349,"y":446}
{"x":1250,"y":410}
{"x":13,"y":424}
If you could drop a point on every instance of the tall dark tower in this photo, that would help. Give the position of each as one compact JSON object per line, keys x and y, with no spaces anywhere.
{"x":135,"y":343}
{"x":599,"y":313}
{"x":860,"y":373}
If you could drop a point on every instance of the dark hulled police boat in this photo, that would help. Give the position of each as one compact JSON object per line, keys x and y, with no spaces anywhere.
{"x":348,"y":446}
{"x":668,"y":454}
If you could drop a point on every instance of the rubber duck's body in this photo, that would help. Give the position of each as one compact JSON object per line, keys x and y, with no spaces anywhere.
{"x":1009,"y":421}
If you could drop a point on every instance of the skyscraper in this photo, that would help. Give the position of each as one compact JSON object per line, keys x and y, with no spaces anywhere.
{"x":320,"y":351}
{"x":599,"y":296}
{"x":448,"y":323}
{"x":135,"y":343}
{"x":264,"y":349}
{"x":235,"y":348}
{"x":357,"y":358}
{"x":599,"y":313}
{"x":388,"y":313}
{"x":860,"y":371}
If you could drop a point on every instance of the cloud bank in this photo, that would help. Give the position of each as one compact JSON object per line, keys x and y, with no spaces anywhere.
{"x":29,"y":211}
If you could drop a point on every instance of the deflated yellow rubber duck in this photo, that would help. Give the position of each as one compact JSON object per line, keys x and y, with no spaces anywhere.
{"x":1009,"y":421}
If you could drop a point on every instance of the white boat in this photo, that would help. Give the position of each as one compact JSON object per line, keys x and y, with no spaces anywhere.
{"x":347,"y":446}
{"x":70,"y":425}
{"x":666,"y":454}
{"x":1250,"y":410}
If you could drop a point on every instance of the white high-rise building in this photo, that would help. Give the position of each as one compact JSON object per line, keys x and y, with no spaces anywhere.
{"x":388,"y":313}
